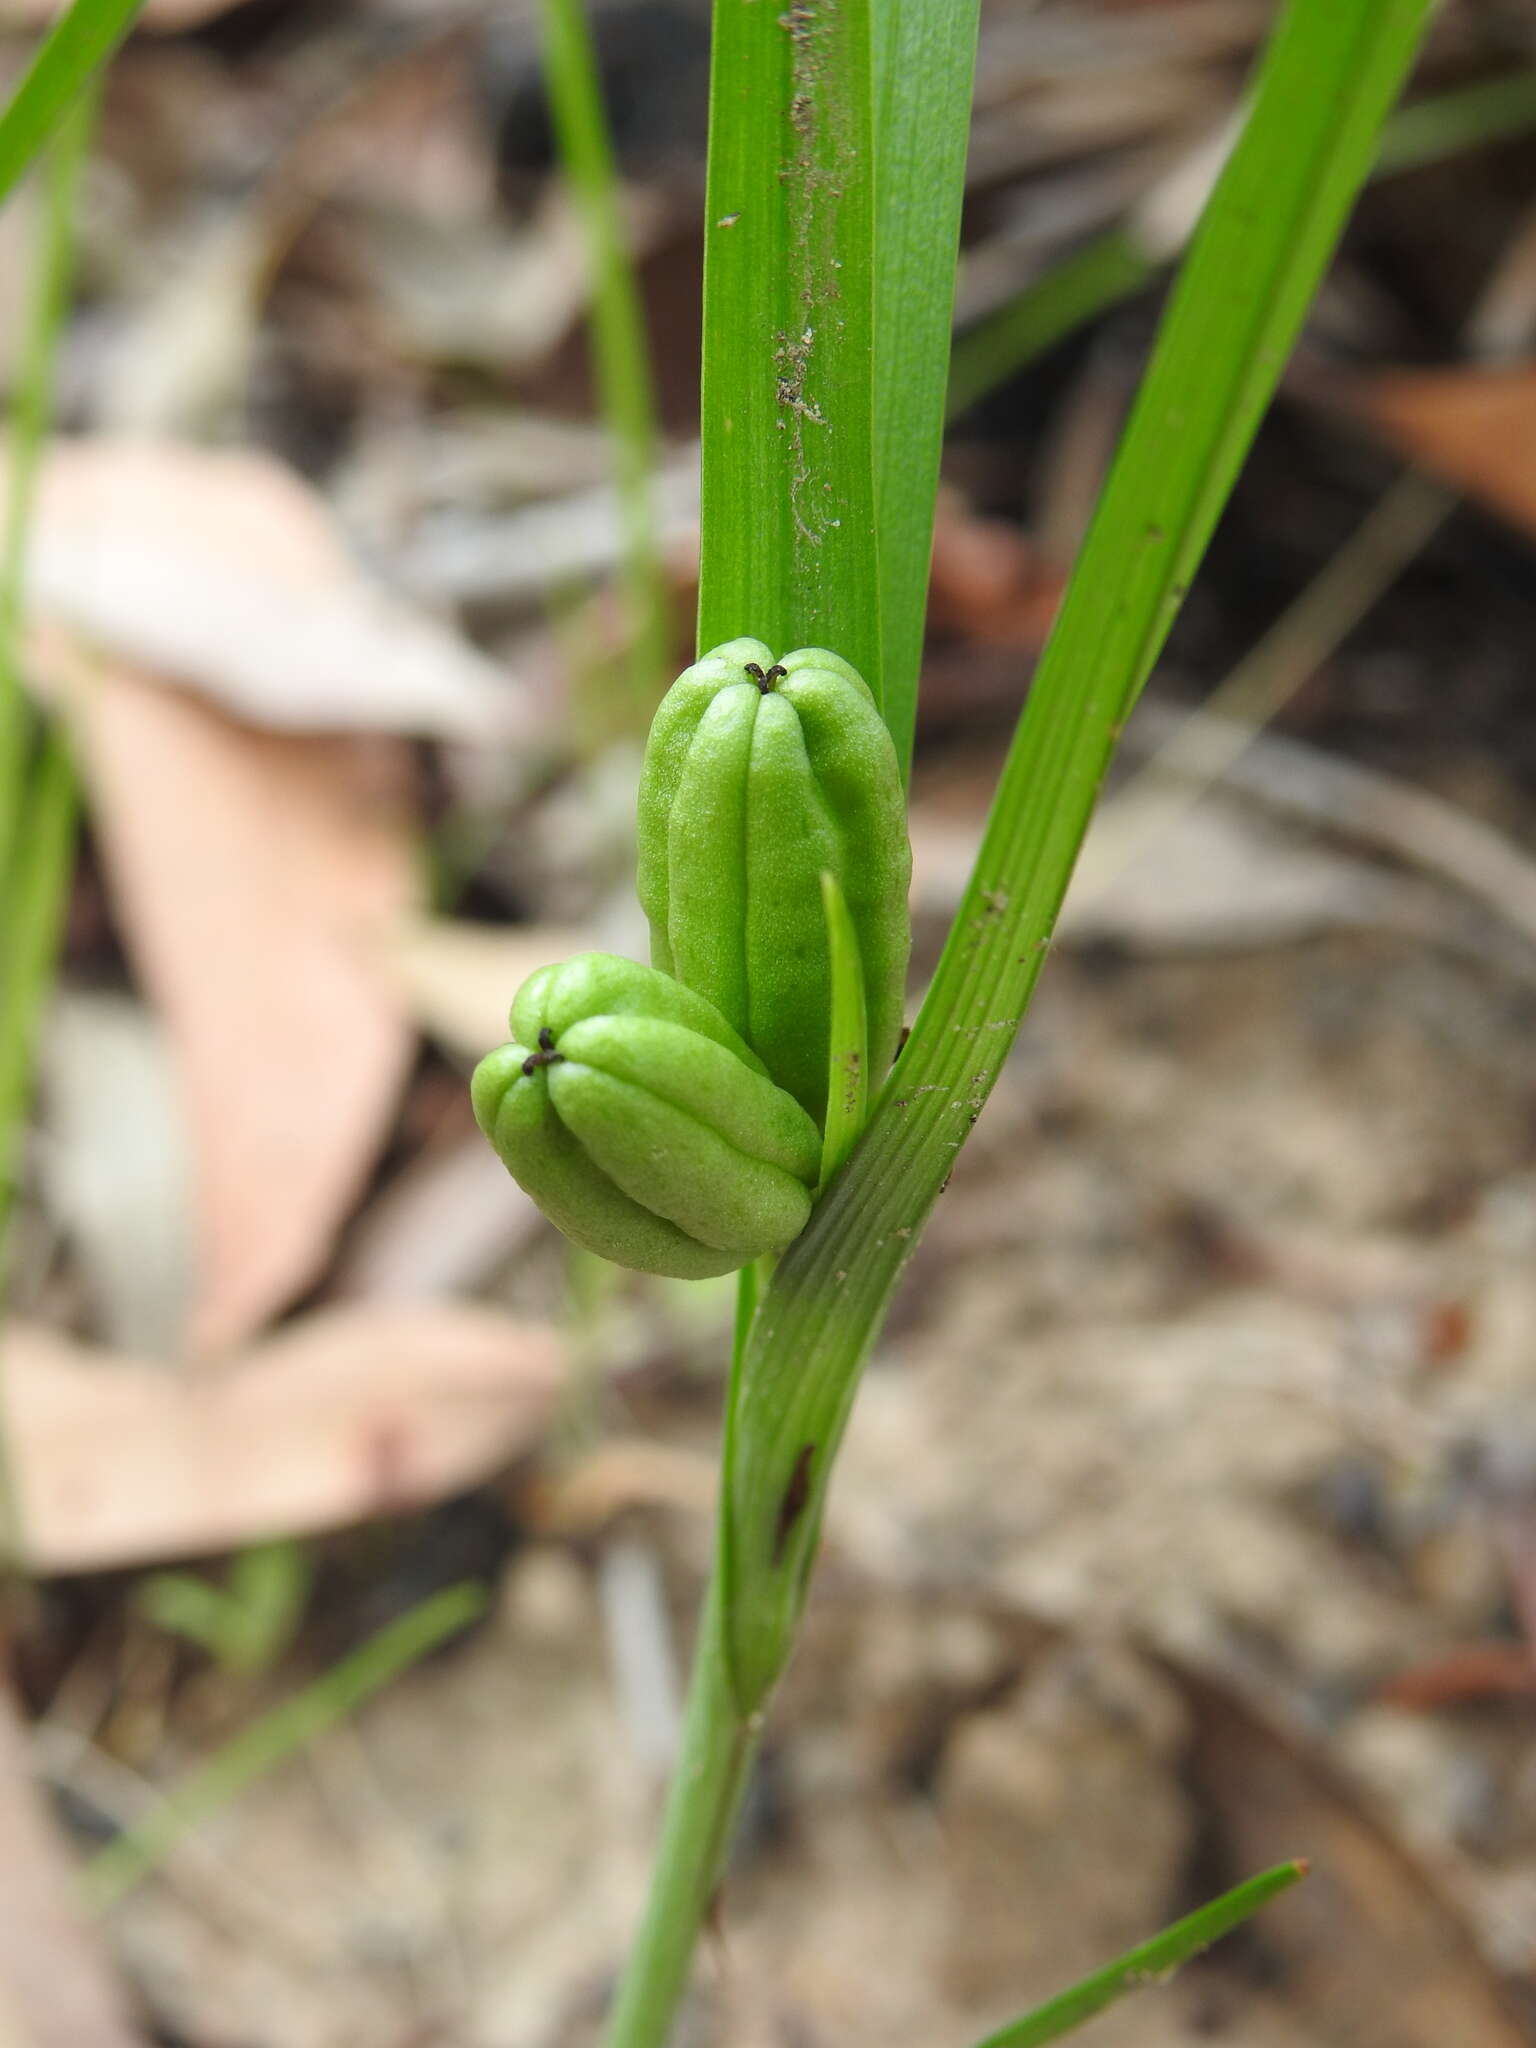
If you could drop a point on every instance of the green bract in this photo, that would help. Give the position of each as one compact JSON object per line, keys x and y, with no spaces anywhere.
{"x":760,"y":773}
{"x":640,"y":1124}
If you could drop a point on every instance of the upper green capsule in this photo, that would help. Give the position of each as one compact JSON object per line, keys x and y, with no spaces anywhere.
{"x":640,"y":1124}
{"x":759,"y":773}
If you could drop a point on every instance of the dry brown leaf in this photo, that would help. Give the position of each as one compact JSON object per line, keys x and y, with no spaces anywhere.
{"x":352,"y":1412}
{"x":1474,"y":428}
{"x":441,"y":1227}
{"x":56,"y":1989}
{"x":251,"y":871}
{"x":224,"y":571}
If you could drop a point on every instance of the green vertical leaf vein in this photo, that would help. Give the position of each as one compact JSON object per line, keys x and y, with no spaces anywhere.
{"x":787,"y":547}
{"x":1331,"y":72}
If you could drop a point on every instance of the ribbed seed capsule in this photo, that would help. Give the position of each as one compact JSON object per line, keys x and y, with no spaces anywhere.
{"x":759,"y":773}
{"x":634,"y":1116}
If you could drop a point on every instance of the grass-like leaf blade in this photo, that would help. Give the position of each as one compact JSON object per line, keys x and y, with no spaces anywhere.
{"x":265,"y":1743}
{"x":76,"y":47}
{"x":1151,"y":1963}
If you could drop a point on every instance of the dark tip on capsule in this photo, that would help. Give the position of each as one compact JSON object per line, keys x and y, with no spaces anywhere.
{"x":546,"y":1056}
{"x":765,"y":679}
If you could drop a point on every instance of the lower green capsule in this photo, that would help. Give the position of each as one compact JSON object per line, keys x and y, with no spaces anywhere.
{"x":640,"y":1123}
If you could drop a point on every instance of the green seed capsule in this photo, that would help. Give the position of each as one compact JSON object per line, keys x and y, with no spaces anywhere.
{"x":640,"y":1124}
{"x":758,"y":775}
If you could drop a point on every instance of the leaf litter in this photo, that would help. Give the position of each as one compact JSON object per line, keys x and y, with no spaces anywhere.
{"x":1218,"y":1320}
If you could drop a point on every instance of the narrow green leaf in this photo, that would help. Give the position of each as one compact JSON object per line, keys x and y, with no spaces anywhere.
{"x":925,"y":62}
{"x":1329,"y":76}
{"x":848,"y":1041}
{"x":787,"y":529}
{"x":269,"y":1741}
{"x":79,"y":43}
{"x":1154,"y":1962}
{"x":1449,"y":123}
{"x":34,"y":917}
{"x":38,"y":796}
{"x":1072,"y":292}
{"x":31,"y":415}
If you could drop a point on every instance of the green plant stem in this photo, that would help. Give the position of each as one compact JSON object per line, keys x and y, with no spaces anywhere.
{"x":716,"y":1756}
{"x":716,"y":1753}
{"x":1329,"y":75}
{"x":77,"y":46}
{"x":269,"y":1741}
{"x":1154,"y":1962}
{"x":1332,"y":70}
{"x":618,"y":328}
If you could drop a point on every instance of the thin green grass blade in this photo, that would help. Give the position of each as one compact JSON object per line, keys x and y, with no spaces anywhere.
{"x":38,"y":795}
{"x":787,"y":546}
{"x":1115,"y":265}
{"x":35,"y":903}
{"x":269,"y":1741}
{"x":848,"y":1039}
{"x":925,"y":63}
{"x":1093,"y":278}
{"x":77,"y":46}
{"x":31,"y":414}
{"x":33,"y":921}
{"x":618,"y":329}
{"x":1332,"y":70}
{"x":1154,"y":1962}
{"x":1446,"y":124}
